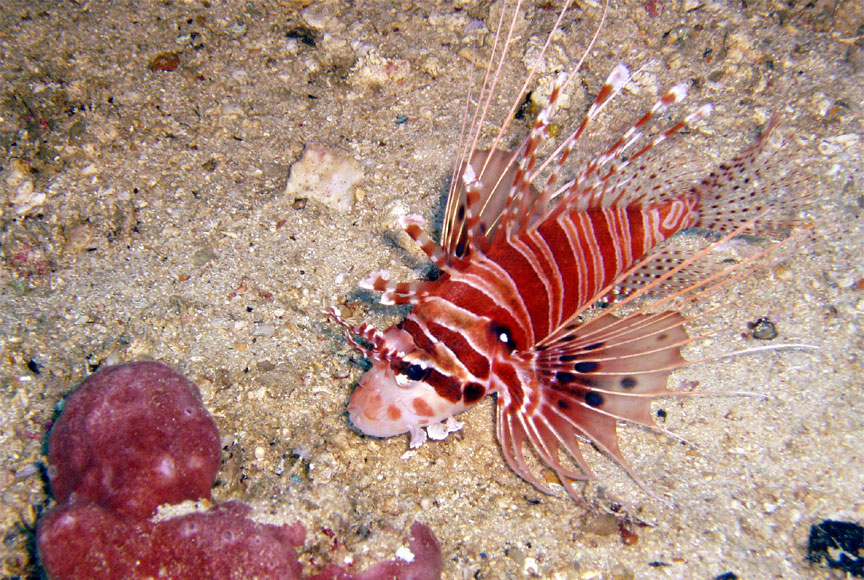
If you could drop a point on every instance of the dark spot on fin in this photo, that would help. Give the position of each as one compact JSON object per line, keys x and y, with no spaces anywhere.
{"x":586,"y":367}
{"x":564,"y":378}
{"x":593,"y":399}
{"x":628,"y":382}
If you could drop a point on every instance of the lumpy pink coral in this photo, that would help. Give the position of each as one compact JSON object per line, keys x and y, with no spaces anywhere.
{"x":85,"y":540}
{"x":136,"y":436}
{"x":131,"y":438}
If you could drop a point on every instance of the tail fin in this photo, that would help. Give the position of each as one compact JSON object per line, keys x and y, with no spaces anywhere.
{"x":738,"y":196}
{"x":737,"y":192}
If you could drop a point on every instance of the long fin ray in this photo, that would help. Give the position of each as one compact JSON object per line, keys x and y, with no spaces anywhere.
{"x":517,"y":191}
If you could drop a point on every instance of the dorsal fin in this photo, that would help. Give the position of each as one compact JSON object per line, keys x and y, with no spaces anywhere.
{"x":667,"y":261}
{"x":733,"y":195}
{"x":495,"y":188}
{"x":493,"y":175}
{"x":736,"y":192}
{"x":497,"y":170}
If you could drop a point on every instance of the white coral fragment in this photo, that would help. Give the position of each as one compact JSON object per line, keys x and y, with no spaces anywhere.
{"x":325,"y":174}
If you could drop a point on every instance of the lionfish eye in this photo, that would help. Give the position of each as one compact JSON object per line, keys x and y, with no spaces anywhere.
{"x":415,"y":372}
{"x":406,"y":373}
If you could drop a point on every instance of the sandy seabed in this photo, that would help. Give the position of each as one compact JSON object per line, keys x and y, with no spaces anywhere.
{"x":143,"y":216}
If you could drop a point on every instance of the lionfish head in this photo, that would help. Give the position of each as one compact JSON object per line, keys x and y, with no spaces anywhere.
{"x":393,"y":396}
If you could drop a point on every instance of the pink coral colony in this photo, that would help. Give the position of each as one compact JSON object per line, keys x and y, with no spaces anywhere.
{"x":136,"y":436}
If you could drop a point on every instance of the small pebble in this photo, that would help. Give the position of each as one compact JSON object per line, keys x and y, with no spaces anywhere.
{"x":26,"y":199}
{"x":260,"y":453}
{"x":90,"y":170}
{"x":603,"y":525}
{"x":231,"y":110}
{"x":691,"y":5}
{"x":265,"y":330}
{"x":27,"y":471}
{"x":783,"y":272}
{"x":621,"y":572}
{"x":203,"y":255}
{"x":265,"y":366}
{"x":373,"y":70}
{"x":78,"y":238}
{"x":517,"y":555}
{"x":165,"y":62}
{"x":763,"y":329}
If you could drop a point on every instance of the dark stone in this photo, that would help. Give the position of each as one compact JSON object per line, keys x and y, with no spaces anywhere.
{"x":839,"y":545}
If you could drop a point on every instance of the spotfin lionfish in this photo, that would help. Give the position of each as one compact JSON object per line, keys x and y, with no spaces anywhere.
{"x":562,"y":299}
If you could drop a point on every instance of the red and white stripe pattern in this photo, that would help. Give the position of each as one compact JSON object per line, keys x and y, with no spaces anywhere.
{"x":530,"y":284}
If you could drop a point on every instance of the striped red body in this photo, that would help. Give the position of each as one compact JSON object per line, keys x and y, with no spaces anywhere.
{"x":523,"y":289}
{"x":521,"y":268}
